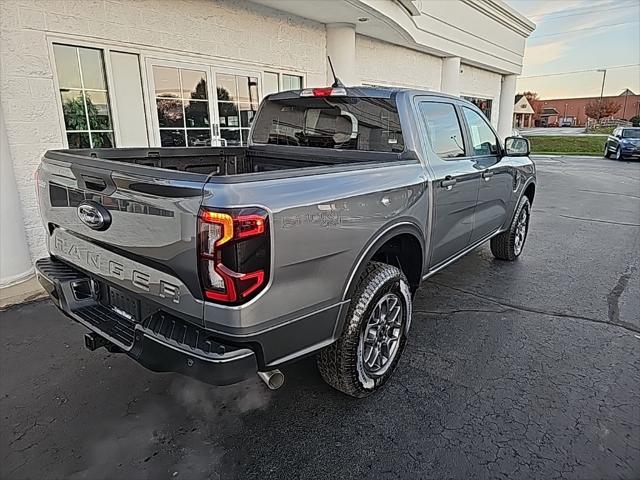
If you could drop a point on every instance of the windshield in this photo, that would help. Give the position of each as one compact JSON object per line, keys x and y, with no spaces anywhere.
{"x":347,"y":123}
{"x":631,"y":133}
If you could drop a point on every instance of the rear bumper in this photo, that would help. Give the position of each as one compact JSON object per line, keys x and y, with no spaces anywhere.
{"x":160,"y":341}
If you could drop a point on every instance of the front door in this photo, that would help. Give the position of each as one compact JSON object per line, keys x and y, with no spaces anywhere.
{"x":198,"y":105}
{"x":455,"y":181}
{"x":496,"y":184}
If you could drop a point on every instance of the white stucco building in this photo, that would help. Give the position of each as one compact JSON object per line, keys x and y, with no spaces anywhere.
{"x":92,"y":73}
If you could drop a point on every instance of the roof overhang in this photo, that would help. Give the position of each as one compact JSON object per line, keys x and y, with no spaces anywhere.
{"x":483,"y":33}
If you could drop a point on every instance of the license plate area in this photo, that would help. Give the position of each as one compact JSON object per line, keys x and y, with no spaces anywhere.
{"x":123,"y":304}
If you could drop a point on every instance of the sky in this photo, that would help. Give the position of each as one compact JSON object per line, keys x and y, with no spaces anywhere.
{"x":576,"y":35}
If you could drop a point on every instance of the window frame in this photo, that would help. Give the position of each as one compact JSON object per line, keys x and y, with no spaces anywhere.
{"x":108,"y":79}
{"x":212,"y":69}
{"x":479,"y":112}
{"x":150,"y":98}
{"x":280,"y":73}
{"x":463,"y":128}
{"x":144,"y":53}
{"x":217,"y":70}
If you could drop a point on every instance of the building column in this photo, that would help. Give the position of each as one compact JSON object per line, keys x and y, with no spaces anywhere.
{"x":450,"y":76}
{"x":341,"y":47}
{"x":15,"y":260}
{"x":507,"y":101}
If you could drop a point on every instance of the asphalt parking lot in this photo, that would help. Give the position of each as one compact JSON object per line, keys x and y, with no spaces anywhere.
{"x":523,"y":370}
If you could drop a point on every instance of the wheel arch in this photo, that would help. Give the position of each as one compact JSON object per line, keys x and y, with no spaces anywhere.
{"x":530,"y":191}
{"x":404,"y":238}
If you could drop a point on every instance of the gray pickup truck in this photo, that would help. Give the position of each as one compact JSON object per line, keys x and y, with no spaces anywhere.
{"x":223,"y":262}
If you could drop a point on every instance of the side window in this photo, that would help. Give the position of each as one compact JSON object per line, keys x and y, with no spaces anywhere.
{"x":443,"y":129}
{"x":482,"y":137}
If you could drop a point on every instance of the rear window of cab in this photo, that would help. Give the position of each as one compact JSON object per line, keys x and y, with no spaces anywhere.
{"x":345,"y":123}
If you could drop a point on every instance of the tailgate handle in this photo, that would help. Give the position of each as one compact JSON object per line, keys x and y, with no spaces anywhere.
{"x":94,"y":183}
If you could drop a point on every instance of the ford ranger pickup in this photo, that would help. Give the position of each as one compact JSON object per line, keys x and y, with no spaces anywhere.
{"x":223,"y":262}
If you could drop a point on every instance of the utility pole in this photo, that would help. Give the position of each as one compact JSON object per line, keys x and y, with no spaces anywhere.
{"x":604,"y":76}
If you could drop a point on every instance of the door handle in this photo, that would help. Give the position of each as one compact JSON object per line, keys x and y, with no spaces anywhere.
{"x":448,"y":183}
{"x":487,"y":175}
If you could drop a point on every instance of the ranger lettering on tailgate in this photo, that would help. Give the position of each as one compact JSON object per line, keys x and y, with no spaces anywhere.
{"x":73,"y":250}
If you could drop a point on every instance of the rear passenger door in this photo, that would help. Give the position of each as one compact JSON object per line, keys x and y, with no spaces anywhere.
{"x":496,"y":182}
{"x":455,"y":180}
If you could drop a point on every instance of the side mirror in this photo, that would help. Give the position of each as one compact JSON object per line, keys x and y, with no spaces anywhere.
{"x":517,"y":147}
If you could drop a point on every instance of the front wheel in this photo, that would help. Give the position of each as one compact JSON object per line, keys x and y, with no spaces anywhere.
{"x":607,"y":153}
{"x":508,"y":245}
{"x":618,"y":153}
{"x":374,"y":334}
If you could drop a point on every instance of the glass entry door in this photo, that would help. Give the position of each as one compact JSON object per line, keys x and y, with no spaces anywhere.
{"x":237,"y":102}
{"x":199,"y":105}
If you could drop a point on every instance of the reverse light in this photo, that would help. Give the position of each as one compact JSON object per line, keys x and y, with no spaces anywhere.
{"x":324,"y":92}
{"x":234,"y":253}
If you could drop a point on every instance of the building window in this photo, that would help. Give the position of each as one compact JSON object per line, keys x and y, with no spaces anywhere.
{"x":182,"y":103}
{"x":291,"y":82}
{"x":84,"y":96}
{"x":484,"y":104}
{"x":237,"y":105}
{"x":270,"y":83}
{"x":280,"y":82}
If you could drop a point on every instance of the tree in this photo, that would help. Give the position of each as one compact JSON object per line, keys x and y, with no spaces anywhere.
{"x":601,"y":108}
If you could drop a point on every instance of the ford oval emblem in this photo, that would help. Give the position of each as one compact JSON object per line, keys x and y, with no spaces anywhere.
{"x":94,"y":215}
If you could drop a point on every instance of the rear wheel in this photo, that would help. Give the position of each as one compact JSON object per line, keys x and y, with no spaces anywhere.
{"x":509,"y":245}
{"x":374,"y":334}
{"x":607,"y":153}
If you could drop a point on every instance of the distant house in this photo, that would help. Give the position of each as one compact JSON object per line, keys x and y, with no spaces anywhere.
{"x":522,"y":113}
{"x":572,"y":110}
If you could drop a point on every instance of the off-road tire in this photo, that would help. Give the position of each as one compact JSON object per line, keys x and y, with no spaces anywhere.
{"x":340,"y":364}
{"x":503,"y":244}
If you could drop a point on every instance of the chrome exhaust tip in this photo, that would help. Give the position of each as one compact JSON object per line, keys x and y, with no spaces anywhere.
{"x":273,"y":378}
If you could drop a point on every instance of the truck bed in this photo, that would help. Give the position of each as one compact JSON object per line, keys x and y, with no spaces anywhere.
{"x":225,"y":161}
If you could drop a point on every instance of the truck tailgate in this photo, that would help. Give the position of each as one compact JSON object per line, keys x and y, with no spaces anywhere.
{"x":148,"y":245}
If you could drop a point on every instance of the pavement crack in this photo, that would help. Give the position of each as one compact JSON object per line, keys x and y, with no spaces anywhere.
{"x":624,"y":325}
{"x":610,"y":193}
{"x":624,"y":224}
{"x":613,"y":298}
{"x":461,"y":310}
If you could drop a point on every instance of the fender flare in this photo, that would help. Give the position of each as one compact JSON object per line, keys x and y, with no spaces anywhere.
{"x":372,"y":246}
{"x":524,"y":187}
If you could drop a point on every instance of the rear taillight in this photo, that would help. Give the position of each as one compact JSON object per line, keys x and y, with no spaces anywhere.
{"x":234,"y":250}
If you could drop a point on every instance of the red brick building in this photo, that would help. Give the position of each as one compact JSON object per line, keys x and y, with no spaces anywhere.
{"x":571,"y":110}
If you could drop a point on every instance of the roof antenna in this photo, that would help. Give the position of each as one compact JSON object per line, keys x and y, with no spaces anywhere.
{"x":336,"y":81}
